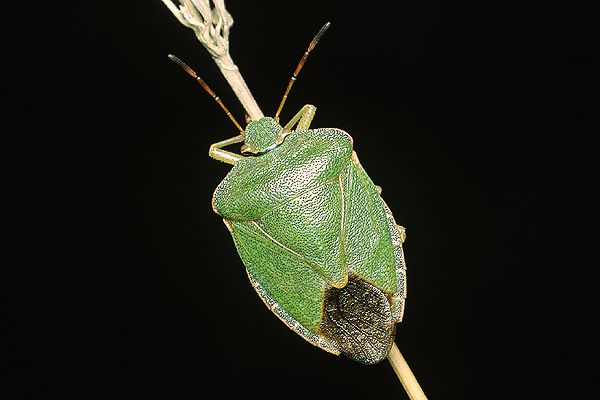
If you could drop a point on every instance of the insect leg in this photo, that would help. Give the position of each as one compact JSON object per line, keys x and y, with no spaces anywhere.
{"x":303,"y":118}
{"x":216,"y":150}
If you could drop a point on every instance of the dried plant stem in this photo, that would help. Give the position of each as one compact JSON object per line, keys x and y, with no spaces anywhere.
{"x":232,"y":74}
{"x":405,"y":375}
{"x":211,"y":22}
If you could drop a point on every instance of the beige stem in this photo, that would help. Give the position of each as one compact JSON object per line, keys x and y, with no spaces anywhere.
{"x":405,"y":375}
{"x":211,"y":22}
{"x":232,"y":74}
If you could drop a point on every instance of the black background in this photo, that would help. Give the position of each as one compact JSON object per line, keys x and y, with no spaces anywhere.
{"x":127,"y":285}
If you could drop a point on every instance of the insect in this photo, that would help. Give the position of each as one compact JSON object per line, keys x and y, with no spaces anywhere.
{"x":320,"y":246}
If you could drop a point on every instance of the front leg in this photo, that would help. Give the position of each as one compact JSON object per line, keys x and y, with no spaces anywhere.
{"x":216,"y":150}
{"x":303,"y":118}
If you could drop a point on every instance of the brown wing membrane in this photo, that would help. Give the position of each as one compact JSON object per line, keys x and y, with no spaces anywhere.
{"x":358,"y":317}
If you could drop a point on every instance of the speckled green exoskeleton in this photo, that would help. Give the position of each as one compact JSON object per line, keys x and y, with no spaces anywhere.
{"x":320,"y":246}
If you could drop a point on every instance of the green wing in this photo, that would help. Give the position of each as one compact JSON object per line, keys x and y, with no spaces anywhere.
{"x":366,"y":234}
{"x":310,"y":226}
{"x":281,"y":272}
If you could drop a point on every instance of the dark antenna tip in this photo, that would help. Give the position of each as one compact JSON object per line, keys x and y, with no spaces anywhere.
{"x":311,"y":46}
{"x":208,"y":90}
{"x":318,"y":36}
{"x":183,"y":65}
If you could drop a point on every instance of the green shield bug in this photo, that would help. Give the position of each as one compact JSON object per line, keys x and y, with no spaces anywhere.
{"x":320,"y":246}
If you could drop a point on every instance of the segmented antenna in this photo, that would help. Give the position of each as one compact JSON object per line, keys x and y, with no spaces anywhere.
{"x":190,"y":71}
{"x":311,"y":46}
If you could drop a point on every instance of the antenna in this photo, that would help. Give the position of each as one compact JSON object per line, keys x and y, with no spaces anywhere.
{"x":311,"y":46}
{"x":190,"y":71}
